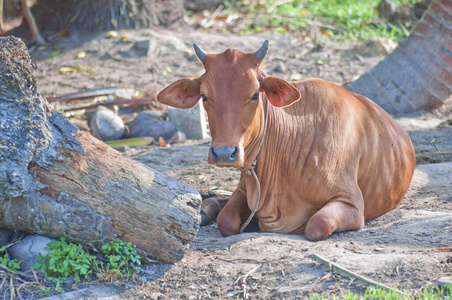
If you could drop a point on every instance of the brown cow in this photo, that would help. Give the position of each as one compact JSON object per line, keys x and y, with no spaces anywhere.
{"x":329,"y":159}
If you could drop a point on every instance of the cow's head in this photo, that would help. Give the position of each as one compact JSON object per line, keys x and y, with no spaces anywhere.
{"x":232,"y":89}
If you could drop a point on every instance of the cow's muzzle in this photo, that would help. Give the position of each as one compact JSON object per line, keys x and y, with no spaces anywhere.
{"x":224,"y":155}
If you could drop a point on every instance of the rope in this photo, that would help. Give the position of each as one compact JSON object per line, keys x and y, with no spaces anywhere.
{"x":252,"y":171}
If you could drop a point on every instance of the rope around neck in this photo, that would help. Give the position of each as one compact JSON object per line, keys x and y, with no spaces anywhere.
{"x":252,"y":171}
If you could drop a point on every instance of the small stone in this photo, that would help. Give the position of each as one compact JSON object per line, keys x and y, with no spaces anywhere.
{"x":192,"y":121}
{"x":179,"y":137}
{"x":106,"y":125}
{"x":375,"y":46}
{"x":148,"y":124}
{"x":280,"y":67}
{"x":445,"y":281}
{"x":28,"y":250}
{"x":385,"y":9}
{"x":126,"y":93}
{"x":296,"y":77}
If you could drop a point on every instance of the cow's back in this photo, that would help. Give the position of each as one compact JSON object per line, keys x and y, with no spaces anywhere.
{"x":359,"y":142}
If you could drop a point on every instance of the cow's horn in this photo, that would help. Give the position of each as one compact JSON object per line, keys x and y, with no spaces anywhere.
{"x":262,"y":51}
{"x":201,"y":54}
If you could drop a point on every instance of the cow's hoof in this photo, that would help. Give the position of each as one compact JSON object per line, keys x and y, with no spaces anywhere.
{"x":205,"y":220}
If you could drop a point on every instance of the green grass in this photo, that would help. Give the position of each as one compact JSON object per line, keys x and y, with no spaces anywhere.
{"x":376,"y":293}
{"x":336,"y":19}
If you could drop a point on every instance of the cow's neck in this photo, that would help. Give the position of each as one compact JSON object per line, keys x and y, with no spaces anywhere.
{"x":251,"y":171}
{"x":258,"y":137}
{"x":261,"y":141}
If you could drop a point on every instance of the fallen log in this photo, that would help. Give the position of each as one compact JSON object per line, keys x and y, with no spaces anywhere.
{"x":58,"y":181}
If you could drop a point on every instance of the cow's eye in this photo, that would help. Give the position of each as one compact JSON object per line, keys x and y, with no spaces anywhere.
{"x":255,"y":96}
{"x":204,"y":98}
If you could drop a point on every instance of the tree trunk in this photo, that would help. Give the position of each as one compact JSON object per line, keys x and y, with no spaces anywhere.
{"x":31,"y":22}
{"x":417,"y":75}
{"x":56,"y":17}
{"x":59,"y":182}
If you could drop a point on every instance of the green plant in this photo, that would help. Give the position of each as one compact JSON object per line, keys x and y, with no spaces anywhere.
{"x":71,"y":260}
{"x":122,"y":257}
{"x":44,"y":290}
{"x":107,"y":273}
{"x":337,"y":19}
{"x":10,"y":266}
{"x":64,"y":260}
{"x":377,"y":293}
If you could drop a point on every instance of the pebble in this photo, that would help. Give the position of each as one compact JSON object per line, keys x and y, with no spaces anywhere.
{"x":28,"y":249}
{"x":445,"y":281}
{"x":149,"y":124}
{"x":106,"y":125}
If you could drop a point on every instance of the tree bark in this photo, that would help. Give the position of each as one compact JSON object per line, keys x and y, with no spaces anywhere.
{"x":31,"y":23}
{"x":56,"y":17}
{"x":417,"y":76}
{"x":57,"y":181}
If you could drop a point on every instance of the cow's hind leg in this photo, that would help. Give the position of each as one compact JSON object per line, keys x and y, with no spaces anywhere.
{"x":210,"y":208}
{"x":337,"y":215}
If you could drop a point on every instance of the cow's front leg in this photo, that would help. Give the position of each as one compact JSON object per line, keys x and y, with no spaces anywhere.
{"x":233,"y":215}
{"x":339,"y":214}
{"x":210,"y":208}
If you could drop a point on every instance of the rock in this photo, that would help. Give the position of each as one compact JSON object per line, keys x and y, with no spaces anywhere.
{"x":200,"y":5}
{"x":296,"y":77}
{"x":126,"y":93}
{"x":179,"y":137}
{"x":162,"y":44}
{"x":106,"y":125}
{"x":192,"y":121}
{"x":445,"y":281}
{"x":148,"y":123}
{"x":375,"y":46}
{"x":138,"y":48}
{"x":28,"y":249}
{"x":94,"y":291}
{"x":385,"y":9}
{"x":5,"y":236}
{"x":280,"y":67}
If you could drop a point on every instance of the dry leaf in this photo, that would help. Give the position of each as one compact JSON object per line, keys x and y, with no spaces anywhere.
{"x":162,"y":142}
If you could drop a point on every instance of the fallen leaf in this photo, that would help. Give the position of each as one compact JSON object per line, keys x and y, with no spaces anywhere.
{"x":66,"y":70}
{"x":81,"y":55}
{"x":54,"y":53}
{"x":162,"y":142}
{"x":112,"y":34}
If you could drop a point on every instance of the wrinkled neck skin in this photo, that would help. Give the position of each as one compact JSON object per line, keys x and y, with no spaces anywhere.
{"x":255,"y":134}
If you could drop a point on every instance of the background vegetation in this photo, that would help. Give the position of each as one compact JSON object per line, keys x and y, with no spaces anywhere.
{"x":336,"y":19}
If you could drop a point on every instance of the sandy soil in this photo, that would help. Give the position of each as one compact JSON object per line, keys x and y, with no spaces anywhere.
{"x":398,"y":249}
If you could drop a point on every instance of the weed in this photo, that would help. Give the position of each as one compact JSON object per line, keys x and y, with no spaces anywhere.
{"x":338,"y":19}
{"x":64,"y":260}
{"x":377,"y":293}
{"x":107,"y":273}
{"x":121,"y":256}
{"x":71,"y":260}
{"x":10,"y":265}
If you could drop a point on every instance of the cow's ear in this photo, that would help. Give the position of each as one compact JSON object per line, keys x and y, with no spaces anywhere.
{"x":279,"y":92}
{"x":183,"y":93}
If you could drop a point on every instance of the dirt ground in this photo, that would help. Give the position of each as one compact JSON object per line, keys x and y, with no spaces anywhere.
{"x":398,"y":249}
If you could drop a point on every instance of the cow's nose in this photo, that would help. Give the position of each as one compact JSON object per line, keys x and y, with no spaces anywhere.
{"x":224,"y":155}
